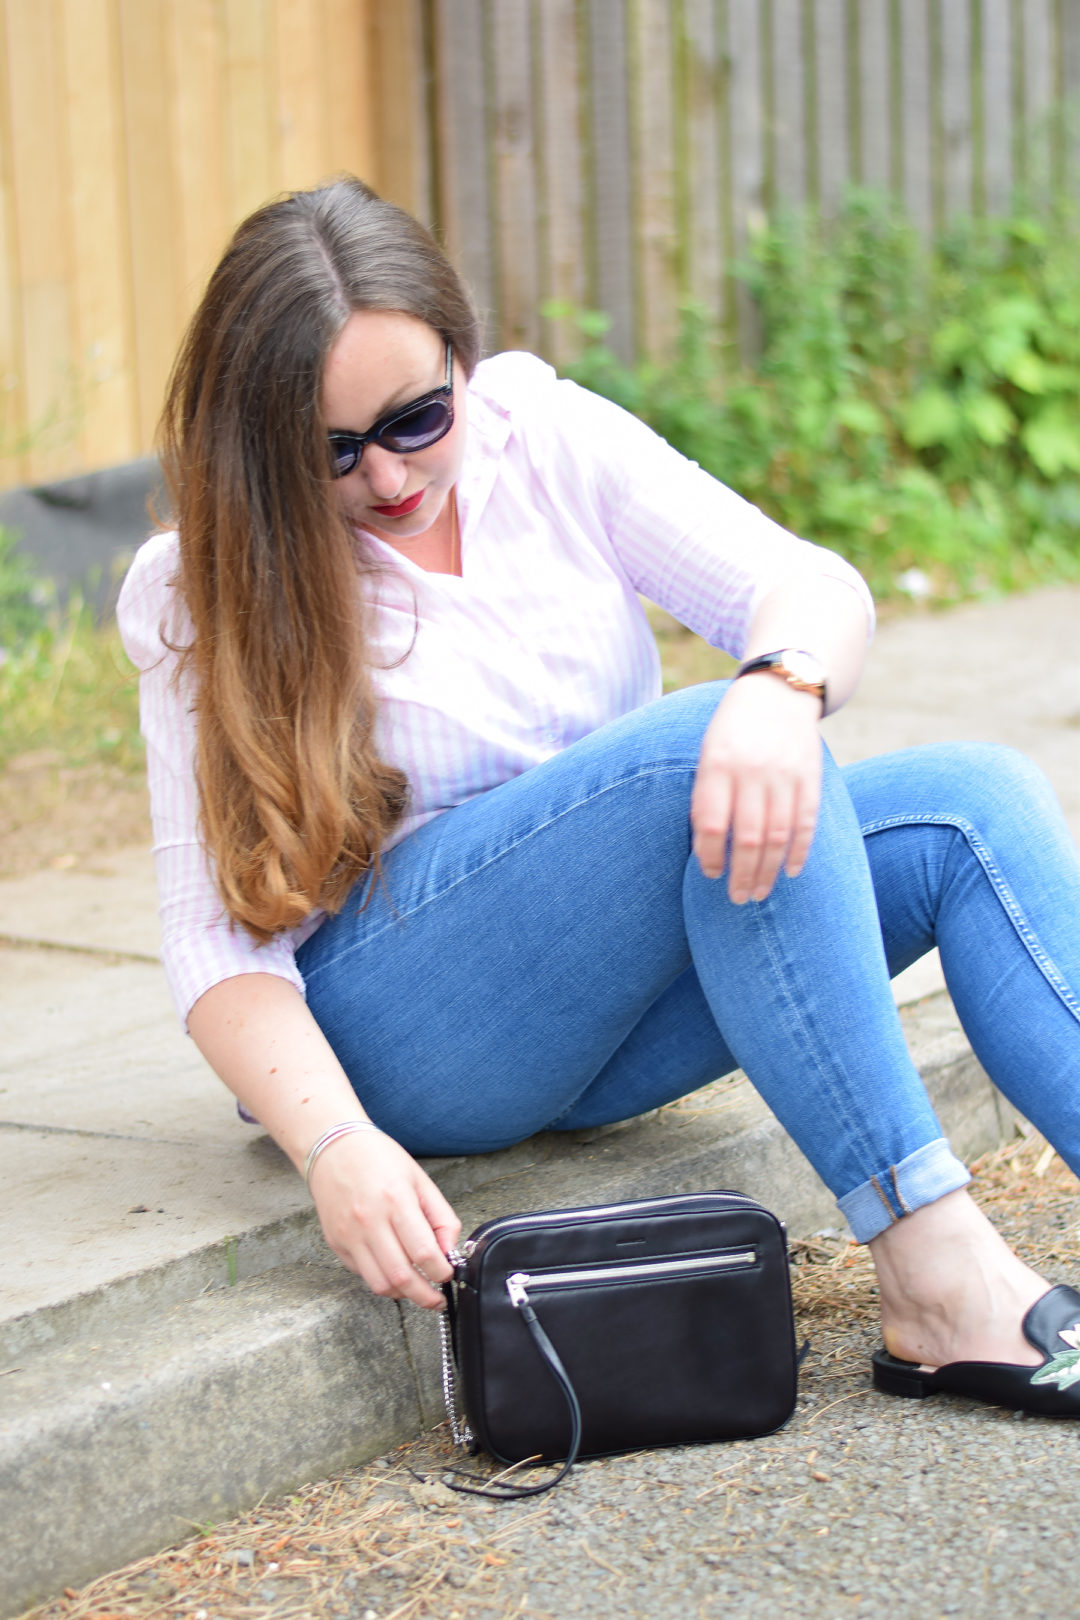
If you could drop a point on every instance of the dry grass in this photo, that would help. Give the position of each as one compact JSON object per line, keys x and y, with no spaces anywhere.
{"x":72,"y":774}
{"x":55,"y":814}
{"x":438,"y":1555}
{"x":306,"y":1555}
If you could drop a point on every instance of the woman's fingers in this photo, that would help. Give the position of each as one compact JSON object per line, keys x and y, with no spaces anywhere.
{"x":771,"y":823}
{"x":757,"y":790}
{"x":710,"y":814}
{"x":804,"y":820}
{"x":398,"y":1265}
{"x":749,"y":825}
{"x":440,"y":1216}
{"x":373,"y":1201}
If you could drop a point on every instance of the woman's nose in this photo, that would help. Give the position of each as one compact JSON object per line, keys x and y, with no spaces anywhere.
{"x":385,"y":472}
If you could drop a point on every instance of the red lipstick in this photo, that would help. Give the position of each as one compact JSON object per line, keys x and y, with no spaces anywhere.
{"x":403,"y":508}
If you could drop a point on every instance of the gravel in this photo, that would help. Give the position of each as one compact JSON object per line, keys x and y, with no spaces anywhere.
{"x":863,"y":1505}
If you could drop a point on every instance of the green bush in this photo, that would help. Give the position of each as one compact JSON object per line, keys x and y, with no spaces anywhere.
{"x":914,"y":406}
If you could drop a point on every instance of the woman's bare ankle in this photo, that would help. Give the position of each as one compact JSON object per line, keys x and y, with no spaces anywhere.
{"x":951,"y":1289}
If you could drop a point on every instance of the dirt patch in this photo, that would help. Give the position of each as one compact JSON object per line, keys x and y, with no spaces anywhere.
{"x":57,"y":815}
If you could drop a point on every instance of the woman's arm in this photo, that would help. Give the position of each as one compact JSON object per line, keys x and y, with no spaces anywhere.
{"x":380,"y":1213}
{"x":759,"y":775}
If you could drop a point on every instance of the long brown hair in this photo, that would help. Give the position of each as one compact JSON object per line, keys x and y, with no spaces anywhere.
{"x":294,"y":799}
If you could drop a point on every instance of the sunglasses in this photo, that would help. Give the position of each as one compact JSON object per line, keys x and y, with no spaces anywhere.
{"x":410,"y":427}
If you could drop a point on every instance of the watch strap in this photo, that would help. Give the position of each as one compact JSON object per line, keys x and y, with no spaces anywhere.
{"x":776,"y":663}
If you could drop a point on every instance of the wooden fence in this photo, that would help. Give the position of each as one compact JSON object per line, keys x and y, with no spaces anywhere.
{"x":134,"y":134}
{"x":629,"y":146}
{"x":600,"y":153}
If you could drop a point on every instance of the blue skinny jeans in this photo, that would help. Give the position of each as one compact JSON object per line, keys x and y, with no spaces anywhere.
{"x":550,"y":956}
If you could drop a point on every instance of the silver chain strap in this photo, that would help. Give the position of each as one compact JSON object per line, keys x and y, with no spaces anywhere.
{"x":459,"y":1429}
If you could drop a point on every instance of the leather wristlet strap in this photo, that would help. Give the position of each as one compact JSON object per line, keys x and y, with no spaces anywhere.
{"x":508,"y":1492}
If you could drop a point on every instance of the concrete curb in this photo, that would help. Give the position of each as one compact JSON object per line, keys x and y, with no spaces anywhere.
{"x":180,"y":1396}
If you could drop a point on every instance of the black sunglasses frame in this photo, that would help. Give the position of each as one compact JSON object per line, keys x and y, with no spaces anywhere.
{"x":380,"y":430}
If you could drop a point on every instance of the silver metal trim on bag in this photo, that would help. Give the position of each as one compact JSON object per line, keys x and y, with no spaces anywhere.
{"x":620,"y":1271}
{"x":460,"y":1431}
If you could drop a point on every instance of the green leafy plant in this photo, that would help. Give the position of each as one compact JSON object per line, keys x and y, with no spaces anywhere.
{"x":915,"y":406}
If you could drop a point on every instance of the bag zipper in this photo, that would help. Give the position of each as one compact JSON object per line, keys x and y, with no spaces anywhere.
{"x":692,"y":1202}
{"x":519,"y":1282}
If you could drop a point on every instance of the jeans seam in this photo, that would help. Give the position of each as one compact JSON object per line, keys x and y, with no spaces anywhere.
{"x":1009,"y":904}
{"x":639,"y":774}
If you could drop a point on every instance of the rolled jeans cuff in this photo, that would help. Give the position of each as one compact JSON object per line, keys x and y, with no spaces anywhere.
{"x":928,"y":1173}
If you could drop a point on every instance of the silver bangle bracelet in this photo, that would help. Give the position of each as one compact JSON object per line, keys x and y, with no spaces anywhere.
{"x":346,"y":1128}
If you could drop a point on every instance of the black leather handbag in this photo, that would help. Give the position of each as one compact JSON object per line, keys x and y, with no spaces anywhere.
{"x":576,"y":1332}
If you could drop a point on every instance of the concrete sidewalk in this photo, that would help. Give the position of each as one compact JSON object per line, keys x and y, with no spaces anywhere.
{"x":174,"y":1340}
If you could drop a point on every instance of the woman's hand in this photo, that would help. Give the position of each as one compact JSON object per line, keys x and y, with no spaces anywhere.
{"x":758,"y":785}
{"x":384,"y":1217}
{"x":380,"y":1213}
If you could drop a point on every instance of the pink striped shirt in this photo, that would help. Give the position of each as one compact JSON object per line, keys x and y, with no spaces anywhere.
{"x":569,"y":508}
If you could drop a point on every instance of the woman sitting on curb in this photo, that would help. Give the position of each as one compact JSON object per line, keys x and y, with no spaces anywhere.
{"x":439,"y":867}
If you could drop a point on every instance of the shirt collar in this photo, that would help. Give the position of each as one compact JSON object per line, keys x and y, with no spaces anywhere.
{"x":489,"y":428}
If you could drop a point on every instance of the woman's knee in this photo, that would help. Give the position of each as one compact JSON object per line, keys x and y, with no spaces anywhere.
{"x":988,"y":788}
{"x":676,"y":723}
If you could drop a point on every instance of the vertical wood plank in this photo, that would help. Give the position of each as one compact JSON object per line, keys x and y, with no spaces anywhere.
{"x":703,"y":226}
{"x":1070,"y":72}
{"x":515,"y":176}
{"x":1059,"y":112}
{"x":98,"y":218}
{"x":654,"y":173}
{"x":399,"y":105}
{"x":788,"y":102}
{"x":1038,"y":91}
{"x":874,"y":79}
{"x":559,"y":132}
{"x":833,"y":112}
{"x":133,"y":134}
{"x":12,"y":355}
{"x":198,"y":139}
{"x":915,"y":110}
{"x":347,"y":87}
{"x":956,"y":109}
{"x":465,"y":205}
{"x":612,"y":248}
{"x":251,"y":133}
{"x":39,"y":166}
{"x":746,"y":106}
{"x":153,"y":211}
{"x":997,"y":104}
{"x":299,"y":97}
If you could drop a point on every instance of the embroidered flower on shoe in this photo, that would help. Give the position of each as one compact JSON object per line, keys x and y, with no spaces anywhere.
{"x":1064,"y":1368}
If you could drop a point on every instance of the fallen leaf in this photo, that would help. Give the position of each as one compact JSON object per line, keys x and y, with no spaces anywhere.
{"x":1042,"y":1164}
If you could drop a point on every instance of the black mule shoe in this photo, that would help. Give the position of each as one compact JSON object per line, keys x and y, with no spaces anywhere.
{"x":1052,"y":1325}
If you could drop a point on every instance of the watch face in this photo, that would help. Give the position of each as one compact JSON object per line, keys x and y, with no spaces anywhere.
{"x":804,"y":667}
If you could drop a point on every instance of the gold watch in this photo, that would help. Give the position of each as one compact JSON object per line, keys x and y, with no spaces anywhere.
{"x":793,"y":664}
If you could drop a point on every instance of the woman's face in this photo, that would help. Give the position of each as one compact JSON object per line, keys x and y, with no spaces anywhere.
{"x":382,"y":360}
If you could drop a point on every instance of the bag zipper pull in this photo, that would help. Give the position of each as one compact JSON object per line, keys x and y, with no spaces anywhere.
{"x":459,"y":1257}
{"x":515,"y":1287}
